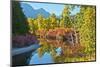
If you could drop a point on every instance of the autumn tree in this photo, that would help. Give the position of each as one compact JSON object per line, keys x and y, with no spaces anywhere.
{"x":40,"y":20}
{"x":53,"y":20}
{"x":85,"y":21}
{"x":33,"y":25}
{"x":65,"y":17}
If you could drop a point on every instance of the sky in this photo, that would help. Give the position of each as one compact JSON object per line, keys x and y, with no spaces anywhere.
{"x":51,"y":7}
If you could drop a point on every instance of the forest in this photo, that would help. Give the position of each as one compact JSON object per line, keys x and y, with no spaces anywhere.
{"x":75,"y":34}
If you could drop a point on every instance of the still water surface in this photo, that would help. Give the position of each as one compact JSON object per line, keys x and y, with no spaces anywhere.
{"x":45,"y":54}
{"x":46,"y":58}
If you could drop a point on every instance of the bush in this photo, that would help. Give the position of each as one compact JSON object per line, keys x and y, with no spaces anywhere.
{"x":23,"y":40}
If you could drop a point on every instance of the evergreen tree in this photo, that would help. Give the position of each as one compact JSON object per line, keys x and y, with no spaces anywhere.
{"x":19,"y":21}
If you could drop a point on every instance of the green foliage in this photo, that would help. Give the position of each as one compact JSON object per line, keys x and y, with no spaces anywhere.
{"x":65,"y":17}
{"x":85,"y":23}
{"x":53,"y":21}
{"x":19,"y":21}
{"x":33,"y":26}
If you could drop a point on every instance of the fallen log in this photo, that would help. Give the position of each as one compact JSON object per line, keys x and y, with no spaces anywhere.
{"x":20,"y":56}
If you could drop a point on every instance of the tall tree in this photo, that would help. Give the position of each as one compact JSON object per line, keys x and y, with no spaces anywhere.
{"x":32,"y":25}
{"x":53,"y":20}
{"x":40,"y":21}
{"x":86,"y":26}
{"x":65,"y":17}
{"x":19,"y":21}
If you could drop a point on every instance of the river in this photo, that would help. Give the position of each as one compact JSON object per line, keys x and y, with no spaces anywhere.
{"x":47,"y":52}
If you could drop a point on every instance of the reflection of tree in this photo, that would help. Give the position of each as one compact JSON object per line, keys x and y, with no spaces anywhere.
{"x":45,"y":48}
{"x":53,"y":52}
{"x":68,"y":51}
{"x":70,"y":54}
{"x":40,"y":52}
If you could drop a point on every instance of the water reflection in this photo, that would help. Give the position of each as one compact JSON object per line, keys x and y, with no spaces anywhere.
{"x":58,"y":50}
{"x":53,"y":51}
{"x":46,"y":53}
{"x":46,"y":58}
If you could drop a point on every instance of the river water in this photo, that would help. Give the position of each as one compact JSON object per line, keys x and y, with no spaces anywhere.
{"x":47,"y":52}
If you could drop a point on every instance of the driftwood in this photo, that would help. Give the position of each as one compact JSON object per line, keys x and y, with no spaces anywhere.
{"x":18,"y":51}
{"x":20,"y":56}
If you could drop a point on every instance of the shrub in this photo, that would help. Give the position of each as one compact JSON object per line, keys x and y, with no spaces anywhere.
{"x":23,"y":40}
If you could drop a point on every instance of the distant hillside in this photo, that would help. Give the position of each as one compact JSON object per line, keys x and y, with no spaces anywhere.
{"x":30,"y":12}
